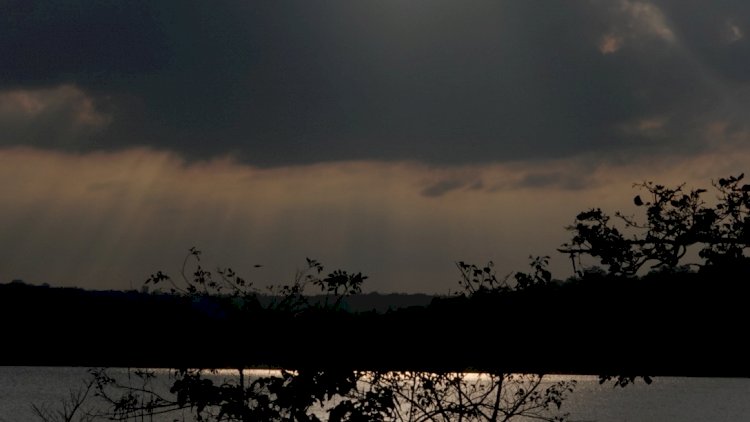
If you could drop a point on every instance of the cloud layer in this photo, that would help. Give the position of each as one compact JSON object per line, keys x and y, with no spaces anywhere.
{"x":439,"y":82}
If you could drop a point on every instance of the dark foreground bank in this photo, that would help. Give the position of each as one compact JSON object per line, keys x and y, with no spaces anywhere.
{"x":667,"y":324}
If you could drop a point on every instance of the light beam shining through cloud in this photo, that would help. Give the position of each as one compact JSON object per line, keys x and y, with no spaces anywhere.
{"x":110,"y":219}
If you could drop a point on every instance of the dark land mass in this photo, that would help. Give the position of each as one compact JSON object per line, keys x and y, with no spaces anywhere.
{"x":663,"y":324}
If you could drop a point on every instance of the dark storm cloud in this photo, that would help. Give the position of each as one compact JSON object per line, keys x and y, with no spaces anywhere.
{"x":77,"y":41}
{"x":715,"y":34}
{"x":440,"y":81}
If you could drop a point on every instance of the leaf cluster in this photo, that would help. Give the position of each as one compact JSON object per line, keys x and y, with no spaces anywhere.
{"x":676,"y":220}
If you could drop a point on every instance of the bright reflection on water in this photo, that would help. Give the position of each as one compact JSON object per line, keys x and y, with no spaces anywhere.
{"x":667,"y":399}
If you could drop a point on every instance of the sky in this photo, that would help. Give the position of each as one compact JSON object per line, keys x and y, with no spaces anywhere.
{"x":391,"y":137}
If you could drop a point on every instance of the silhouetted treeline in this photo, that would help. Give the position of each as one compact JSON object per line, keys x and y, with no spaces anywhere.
{"x":670,"y":323}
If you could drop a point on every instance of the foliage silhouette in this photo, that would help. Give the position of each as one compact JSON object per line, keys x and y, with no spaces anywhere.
{"x":477,"y":281}
{"x":676,"y":220}
{"x":339,"y":395}
{"x":335,"y":392}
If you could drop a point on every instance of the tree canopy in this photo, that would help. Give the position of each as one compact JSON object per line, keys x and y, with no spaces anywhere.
{"x":677,"y":220}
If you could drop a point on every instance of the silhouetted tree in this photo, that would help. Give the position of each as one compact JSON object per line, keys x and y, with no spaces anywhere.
{"x":339,"y":395}
{"x":314,"y":392}
{"x":676,"y":220}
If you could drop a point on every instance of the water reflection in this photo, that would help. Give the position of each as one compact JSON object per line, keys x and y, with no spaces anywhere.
{"x":667,"y":399}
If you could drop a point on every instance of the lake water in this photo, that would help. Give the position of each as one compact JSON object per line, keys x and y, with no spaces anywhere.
{"x":666,"y":399}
